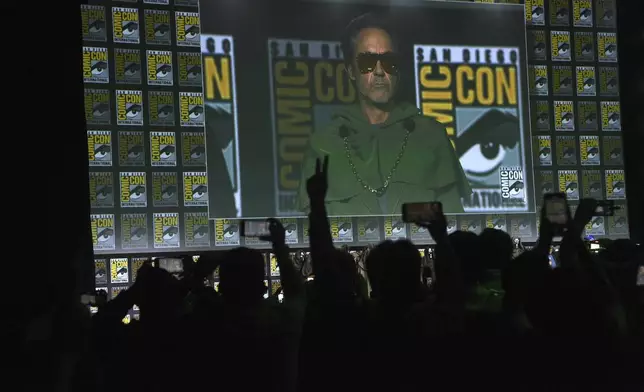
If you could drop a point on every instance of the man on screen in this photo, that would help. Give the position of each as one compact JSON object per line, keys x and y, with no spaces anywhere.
{"x":383,"y":153}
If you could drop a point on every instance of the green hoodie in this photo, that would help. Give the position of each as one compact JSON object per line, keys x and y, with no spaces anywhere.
{"x":429,"y":169}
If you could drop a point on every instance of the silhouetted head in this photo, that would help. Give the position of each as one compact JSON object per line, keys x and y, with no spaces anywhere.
{"x":375,"y":264}
{"x":241,"y":276}
{"x":370,"y":58}
{"x":496,"y":248}
{"x":338,"y":279}
{"x":161,"y":295}
{"x":622,"y":250}
{"x":467,"y":249}
{"x":394,"y":271}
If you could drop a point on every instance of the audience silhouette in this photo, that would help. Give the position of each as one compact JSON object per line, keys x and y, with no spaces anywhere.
{"x":487,"y":320}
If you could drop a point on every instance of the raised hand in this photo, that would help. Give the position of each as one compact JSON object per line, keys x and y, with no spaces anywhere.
{"x":583,"y":215}
{"x":277,"y":234}
{"x":438,"y":226}
{"x":317,"y":185}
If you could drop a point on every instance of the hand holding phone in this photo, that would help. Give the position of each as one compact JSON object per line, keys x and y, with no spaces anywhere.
{"x":424,"y":213}
{"x":556,"y":212}
{"x":255,"y":229}
{"x":429,"y":215}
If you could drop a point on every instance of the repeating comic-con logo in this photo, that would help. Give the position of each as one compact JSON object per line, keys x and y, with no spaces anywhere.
{"x":93,"y":22}
{"x":129,"y":107}
{"x":125,"y":25}
{"x":127,"y":66}
{"x":101,"y":189}
{"x":157,"y":27}
{"x":165,"y":189}
{"x":102,"y":228}
{"x":166,"y":230}
{"x":97,"y":104}
{"x":95,"y":65}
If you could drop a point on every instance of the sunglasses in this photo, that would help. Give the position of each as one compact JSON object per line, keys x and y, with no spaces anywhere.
{"x":367,"y":62}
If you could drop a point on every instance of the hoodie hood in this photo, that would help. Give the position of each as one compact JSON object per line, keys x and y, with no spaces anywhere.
{"x":352,"y":115}
{"x":362,"y":135}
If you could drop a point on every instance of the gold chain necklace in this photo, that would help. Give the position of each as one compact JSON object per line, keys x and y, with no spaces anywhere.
{"x":380,"y":190}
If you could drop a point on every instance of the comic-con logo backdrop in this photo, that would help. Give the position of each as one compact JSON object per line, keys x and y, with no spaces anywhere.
{"x":290,"y":79}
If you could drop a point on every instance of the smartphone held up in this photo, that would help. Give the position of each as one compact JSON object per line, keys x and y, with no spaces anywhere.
{"x":255,"y":228}
{"x":421,"y":212}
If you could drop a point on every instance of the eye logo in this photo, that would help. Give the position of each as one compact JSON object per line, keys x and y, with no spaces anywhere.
{"x":585,"y":14}
{"x":135,"y":151}
{"x":121,"y":272}
{"x":547,"y":188}
{"x":572,"y":188}
{"x":161,"y":30}
{"x":137,"y":192}
{"x":618,"y":187}
{"x":568,"y":153}
{"x":194,"y":72}
{"x":130,"y":28}
{"x":597,"y":222}
{"x":567,"y":118}
{"x":168,"y":191}
{"x":137,"y":233}
{"x":195,"y":112}
{"x":540,"y":83}
{"x":594,"y":187}
{"x":170,"y":233}
{"x":164,"y":70}
{"x":103,"y":192}
{"x":563,"y":48}
{"x":451,"y":225}
{"x":201,"y":232}
{"x":613,"y":119}
{"x":100,"y":273}
{"x":592,"y":152}
{"x":562,"y":13}
{"x":192,"y":32}
{"x":610,"y":50}
{"x":499,"y":224}
{"x":99,"y":67}
{"x":565,"y":83}
{"x":516,"y":189}
{"x":612,"y":83}
{"x":199,"y":192}
{"x":100,"y":109}
{"x":132,"y":69}
{"x":102,"y":152}
{"x":230,"y":231}
{"x":370,"y":227}
{"x":620,"y":222}
{"x":544,"y":153}
{"x":587,"y":49}
{"x":290,"y":229}
{"x":197,"y":152}
{"x":165,"y":111}
{"x":133,"y":111}
{"x":616,"y":153}
{"x":590,"y":118}
{"x":485,"y":144}
{"x":105,"y":235}
{"x":397,"y":228}
{"x":167,"y":151}
{"x":537,"y":12}
{"x":589,"y":83}
{"x":96,"y":26}
{"x":344,"y":229}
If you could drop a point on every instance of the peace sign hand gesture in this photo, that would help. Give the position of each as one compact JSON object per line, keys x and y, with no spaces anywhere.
{"x":317,"y":185}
